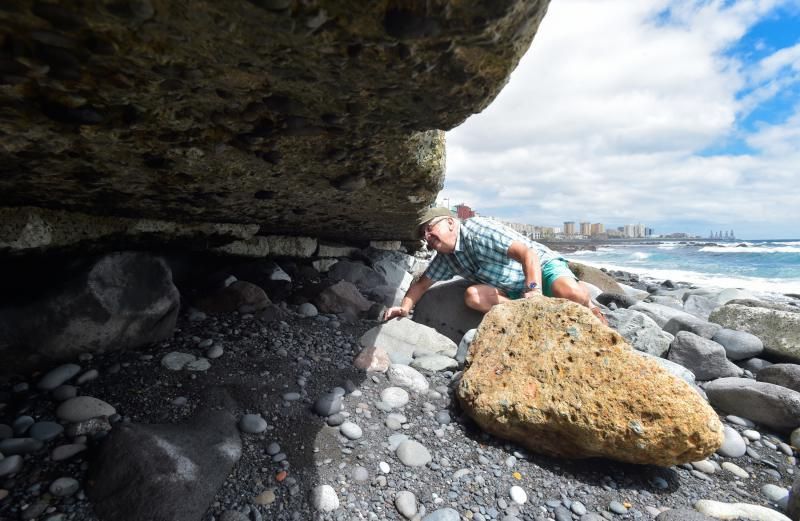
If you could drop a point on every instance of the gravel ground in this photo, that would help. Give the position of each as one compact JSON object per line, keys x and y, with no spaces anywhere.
{"x":469,"y":472}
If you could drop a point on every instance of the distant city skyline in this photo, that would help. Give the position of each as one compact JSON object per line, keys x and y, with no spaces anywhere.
{"x":677,"y":113}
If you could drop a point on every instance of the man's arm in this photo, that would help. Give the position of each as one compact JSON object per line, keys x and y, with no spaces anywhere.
{"x":530,"y":266}
{"x":414,"y":293}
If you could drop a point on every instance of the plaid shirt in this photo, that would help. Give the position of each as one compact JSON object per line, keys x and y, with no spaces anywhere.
{"x":481,"y":256}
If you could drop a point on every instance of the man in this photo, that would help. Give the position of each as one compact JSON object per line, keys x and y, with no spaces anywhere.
{"x":502,"y":264}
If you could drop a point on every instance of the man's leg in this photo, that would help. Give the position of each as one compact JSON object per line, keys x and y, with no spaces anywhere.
{"x":482,"y":297}
{"x":569,"y":288}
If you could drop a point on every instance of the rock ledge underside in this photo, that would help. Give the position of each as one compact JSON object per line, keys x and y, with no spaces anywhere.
{"x":316,"y":118}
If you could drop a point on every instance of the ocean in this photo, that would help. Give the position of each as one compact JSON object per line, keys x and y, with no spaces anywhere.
{"x":768,"y":266}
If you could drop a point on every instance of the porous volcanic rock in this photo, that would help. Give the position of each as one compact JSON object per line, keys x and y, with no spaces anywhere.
{"x":546,"y":374}
{"x":307,"y":118}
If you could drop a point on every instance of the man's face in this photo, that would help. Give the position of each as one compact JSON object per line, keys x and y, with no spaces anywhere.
{"x":440,"y":234}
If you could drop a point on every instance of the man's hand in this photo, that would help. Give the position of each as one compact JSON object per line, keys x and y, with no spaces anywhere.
{"x":395,"y":311}
{"x":532,"y":293}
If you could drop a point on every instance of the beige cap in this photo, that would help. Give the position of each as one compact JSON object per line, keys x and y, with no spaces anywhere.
{"x":430,"y":214}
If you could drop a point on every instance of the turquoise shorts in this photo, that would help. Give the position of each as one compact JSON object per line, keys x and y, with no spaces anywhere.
{"x":550,"y":272}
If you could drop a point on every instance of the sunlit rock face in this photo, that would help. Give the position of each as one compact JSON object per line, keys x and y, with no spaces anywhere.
{"x":318,"y":118}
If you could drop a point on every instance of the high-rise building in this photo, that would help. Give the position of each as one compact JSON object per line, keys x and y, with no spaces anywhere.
{"x":598,"y":229}
{"x":586,"y":229}
{"x":569,"y":228}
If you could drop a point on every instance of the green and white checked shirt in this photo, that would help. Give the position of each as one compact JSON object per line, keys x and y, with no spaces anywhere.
{"x":481,"y":256}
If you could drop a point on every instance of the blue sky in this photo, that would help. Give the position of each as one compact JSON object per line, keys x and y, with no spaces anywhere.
{"x":683,"y":115}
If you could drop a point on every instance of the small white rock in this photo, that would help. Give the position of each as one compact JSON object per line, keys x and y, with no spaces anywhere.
{"x":324,"y":498}
{"x":518,"y":495}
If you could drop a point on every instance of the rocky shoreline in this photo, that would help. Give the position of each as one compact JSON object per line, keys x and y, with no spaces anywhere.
{"x":268,"y":417}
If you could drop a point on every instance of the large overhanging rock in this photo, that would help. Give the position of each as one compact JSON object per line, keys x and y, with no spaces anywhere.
{"x":317,"y":118}
{"x":548,"y":375}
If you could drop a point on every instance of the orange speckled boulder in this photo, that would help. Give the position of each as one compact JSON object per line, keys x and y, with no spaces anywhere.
{"x":546,"y":374}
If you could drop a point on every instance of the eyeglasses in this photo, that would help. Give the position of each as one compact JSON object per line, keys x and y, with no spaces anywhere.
{"x":428,"y":228}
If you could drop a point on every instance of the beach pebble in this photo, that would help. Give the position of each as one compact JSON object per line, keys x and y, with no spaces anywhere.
{"x":751,"y":435}
{"x":176,"y":361}
{"x":19,"y":445}
{"x":733,"y":445}
{"x":518,"y":495}
{"x":741,"y":422}
{"x":5,"y":431}
{"x":384,"y":467}
{"x":722,"y":510}
{"x":324,"y":498}
{"x":10,"y":465}
{"x":704,"y":466}
{"x":215,"y":352}
{"x":443,"y":514}
{"x":328,"y":404}
{"x":22,"y":424}
{"x":334,"y":420}
{"x":735,"y":469}
{"x":45,"y":431}
{"x":406,"y":504}
{"x":394,"y":397}
{"x":794,"y":438}
{"x":63,"y":487}
{"x":776,"y":494}
{"x":201,"y":364}
{"x":413,"y":454}
{"x":307,"y":310}
{"x":351,"y":431}
{"x":88,"y":376}
{"x":360,"y":474}
{"x":63,"y":452}
{"x":64,"y":392}
{"x":252,"y":424}
{"x":58,"y":376}
{"x":265,"y":498}
{"x":408,"y":377}
{"x":617,"y":507}
{"x":83,"y":408}
{"x":273,"y":448}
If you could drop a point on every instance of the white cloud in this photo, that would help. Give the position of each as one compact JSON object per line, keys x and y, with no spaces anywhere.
{"x":605,"y":115}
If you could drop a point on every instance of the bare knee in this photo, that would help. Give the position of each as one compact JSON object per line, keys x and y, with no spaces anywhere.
{"x":573,"y":291}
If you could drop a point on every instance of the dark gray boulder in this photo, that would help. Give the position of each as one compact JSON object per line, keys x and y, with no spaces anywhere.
{"x":768,"y":404}
{"x":738,"y":345}
{"x":442,"y":308}
{"x":691,"y":324}
{"x":754,"y":365}
{"x":785,"y":375}
{"x":122,"y":301}
{"x":358,"y":274}
{"x":164,"y":471}
{"x":705,"y":358}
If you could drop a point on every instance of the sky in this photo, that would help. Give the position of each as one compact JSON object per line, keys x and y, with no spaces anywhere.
{"x":682,"y":115}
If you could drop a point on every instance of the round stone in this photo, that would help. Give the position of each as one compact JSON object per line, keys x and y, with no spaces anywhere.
{"x":334,"y":420}
{"x":19,"y":445}
{"x":794,"y":438}
{"x":64,"y":392}
{"x":273,"y":448}
{"x":252,"y":424}
{"x":704,"y":466}
{"x":518,"y":495}
{"x":384,"y":467}
{"x":408,"y":377}
{"x":201,"y":364}
{"x":413,"y":454}
{"x":443,"y":417}
{"x":406,"y":504}
{"x":83,"y":408}
{"x":58,"y":376}
{"x":175,"y":361}
{"x":394,"y":397}
{"x":265,"y":498}
{"x":10,"y":465}
{"x":733,"y":445}
{"x":360,"y":474}
{"x":291,"y":396}
{"x":63,"y":452}
{"x":327,"y":404}
{"x":735,"y":469}
{"x":22,"y":424}
{"x":751,"y":435}
{"x":351,"y":431}
{"x":443,"y":514}
{"x":215,"y":352}
{"x":617,"y":507}
{"x":63,"y":487}
{"x":775,"y":494}
{"x":5,"y":431}
{"x":307,"y":310}
{"x":324,"y":498}
{"x":45,"y":431}
{"x":578,"y":508}
{"x":88,"y":376}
